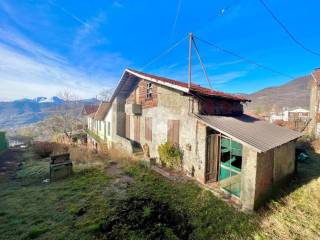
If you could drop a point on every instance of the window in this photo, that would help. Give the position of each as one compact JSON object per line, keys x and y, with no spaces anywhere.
{"x":99,"y":125}
{"x":149,"y":90}
{"x":109,"y":129}
{"x":148,"y":129}
{"x":173,"y":132}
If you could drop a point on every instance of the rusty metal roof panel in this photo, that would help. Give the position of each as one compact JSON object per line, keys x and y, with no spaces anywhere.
{"x":251,"y":131}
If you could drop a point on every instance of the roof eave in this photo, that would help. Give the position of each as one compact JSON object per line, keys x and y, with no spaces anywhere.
{"x":183,"y":89}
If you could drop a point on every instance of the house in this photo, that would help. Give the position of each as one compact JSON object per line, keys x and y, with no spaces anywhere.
{"x":299,"y":114}
{"x":99,"y":126}
{"x":222,"y":147}
{"x":89,"y":109}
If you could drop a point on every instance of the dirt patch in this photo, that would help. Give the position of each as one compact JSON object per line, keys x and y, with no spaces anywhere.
{"x":121,"y":181}
{"x":113,"y":169}
{"x":145,"y":217}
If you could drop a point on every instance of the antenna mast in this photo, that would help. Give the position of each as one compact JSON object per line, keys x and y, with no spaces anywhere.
{"x":190,"y":59}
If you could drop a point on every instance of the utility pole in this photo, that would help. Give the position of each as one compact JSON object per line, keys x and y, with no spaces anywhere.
{"x":190,"y":60}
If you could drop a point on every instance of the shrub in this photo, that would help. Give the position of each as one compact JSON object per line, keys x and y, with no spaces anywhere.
{"x":170,"y":155}
{"x":45,"y":149}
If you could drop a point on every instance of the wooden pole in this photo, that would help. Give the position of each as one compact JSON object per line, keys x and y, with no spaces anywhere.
{"x":190,"y":60}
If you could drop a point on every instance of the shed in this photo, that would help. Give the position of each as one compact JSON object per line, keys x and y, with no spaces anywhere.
{"x":249,"y":155}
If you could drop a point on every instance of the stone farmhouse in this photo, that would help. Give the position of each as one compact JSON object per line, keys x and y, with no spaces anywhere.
{"x":222,"y":147}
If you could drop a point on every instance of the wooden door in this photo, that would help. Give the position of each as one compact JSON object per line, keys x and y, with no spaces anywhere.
{"x":128,"y":126}
{"x":137,"y":129}
{"x":213,"y":157}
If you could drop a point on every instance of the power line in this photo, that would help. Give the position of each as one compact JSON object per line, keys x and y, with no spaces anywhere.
{"x":201,"y":63}
{"x":243,"y":58}
{"x":176,"y":18}
{"x":219,"y":14}
{"x":165,"y":52}
{"x":293,"y":38}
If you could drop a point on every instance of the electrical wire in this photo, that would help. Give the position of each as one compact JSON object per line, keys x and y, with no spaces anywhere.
{"x":176,"y":18}
{"x":165,"y":52}
{"x":201,"y":63}
{"x":244,"y":58}
{"x":286,"y":30}
{"x":219,"y":14}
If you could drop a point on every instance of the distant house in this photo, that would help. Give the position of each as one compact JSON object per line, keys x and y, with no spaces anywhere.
{"x":89,"y":109}
{"x":99,"y":125}
{"x":223,"y":148}
{"x":298,"y":114}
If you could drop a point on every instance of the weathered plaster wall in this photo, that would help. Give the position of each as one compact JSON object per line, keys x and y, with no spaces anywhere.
{"x":284,"y":161}
{"x":173,"y":105}
{"x":101,"y":129}
{"x":260,"y":171}
{"x":108,"y":119}
{"x":264,"y":178}
{"x":118,"y":117}
{"x":248,"y":178}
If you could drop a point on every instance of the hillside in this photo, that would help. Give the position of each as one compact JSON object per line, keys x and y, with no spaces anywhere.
{"x":295,"y":93}
{"x":25,"y":111}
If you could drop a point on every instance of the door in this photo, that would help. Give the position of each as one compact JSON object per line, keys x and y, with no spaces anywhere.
{"x":137,"y":129}
{"x":213,"y":157}
{"x":128,"y":126}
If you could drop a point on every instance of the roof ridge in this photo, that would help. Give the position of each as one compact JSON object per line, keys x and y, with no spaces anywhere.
{"x":194,"y":87}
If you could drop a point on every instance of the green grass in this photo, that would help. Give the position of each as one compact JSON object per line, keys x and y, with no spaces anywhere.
{"x":93,"y":205}
{"x":32,"y":209}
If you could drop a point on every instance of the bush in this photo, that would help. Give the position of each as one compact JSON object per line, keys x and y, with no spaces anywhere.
{"x":170,"y":155}
{"x":45,"y":149}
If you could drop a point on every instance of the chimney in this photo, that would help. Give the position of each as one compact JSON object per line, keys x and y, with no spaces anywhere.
{"x":314,"y":102}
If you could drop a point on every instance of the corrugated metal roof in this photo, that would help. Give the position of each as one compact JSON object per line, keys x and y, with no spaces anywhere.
{"x":102,"y":111}
{"x":251,"y":131}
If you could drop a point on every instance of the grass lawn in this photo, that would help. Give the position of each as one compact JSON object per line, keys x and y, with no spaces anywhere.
{"x":136,"y":203}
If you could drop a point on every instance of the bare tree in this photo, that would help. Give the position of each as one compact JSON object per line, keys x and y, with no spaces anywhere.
{"x":105,"y":94}
{"x":69,"y":110}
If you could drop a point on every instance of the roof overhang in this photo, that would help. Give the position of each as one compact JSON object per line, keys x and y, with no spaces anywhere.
{"x":257,"y":134}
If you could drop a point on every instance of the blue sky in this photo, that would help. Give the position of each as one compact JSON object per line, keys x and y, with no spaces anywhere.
{"x":47,"y":46}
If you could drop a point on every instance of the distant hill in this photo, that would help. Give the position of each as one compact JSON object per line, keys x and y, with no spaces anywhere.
{"x":25,"y":111}
{"x":295,"y":93}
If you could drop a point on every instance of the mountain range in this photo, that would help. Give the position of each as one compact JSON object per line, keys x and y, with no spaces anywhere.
{"x":26,"y":111}
{"x":293,"y":94}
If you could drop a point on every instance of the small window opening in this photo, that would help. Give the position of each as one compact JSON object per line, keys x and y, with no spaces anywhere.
{"x":149,"y":90}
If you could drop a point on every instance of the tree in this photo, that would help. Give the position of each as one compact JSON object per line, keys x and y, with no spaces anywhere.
{"x":105,"y":94}
{"x":69,"y":110}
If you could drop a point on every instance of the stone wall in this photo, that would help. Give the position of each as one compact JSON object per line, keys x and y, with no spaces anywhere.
{"x":172,"y":105}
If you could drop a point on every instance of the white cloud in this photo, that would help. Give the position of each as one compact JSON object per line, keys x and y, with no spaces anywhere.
{"x":87,"y":36}
{"x":117,"y":4}
{"x":25,"y":76}
{"x":226,"y":77}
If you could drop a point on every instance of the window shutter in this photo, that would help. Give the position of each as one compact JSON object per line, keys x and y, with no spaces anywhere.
{"x":173,"y":132}
{"x":148,"y":128}
{"x":176,"y":132}
{"x":127,"y":126}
